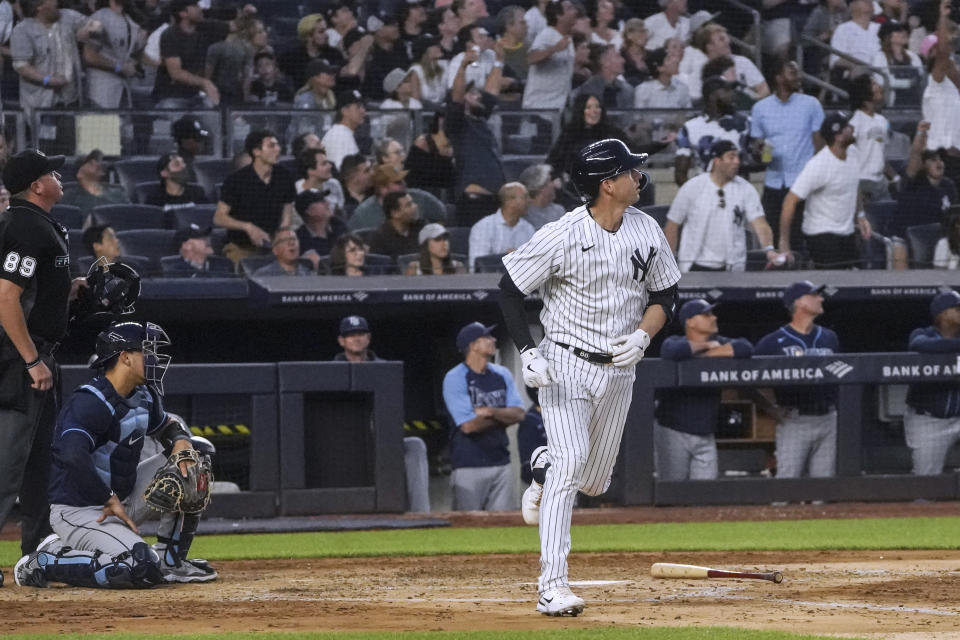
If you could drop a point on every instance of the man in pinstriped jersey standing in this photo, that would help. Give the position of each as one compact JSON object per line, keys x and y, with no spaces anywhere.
{"x":608,"y":281}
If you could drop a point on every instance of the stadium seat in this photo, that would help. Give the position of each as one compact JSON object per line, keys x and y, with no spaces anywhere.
{"x":921,"y":241}
{"x":489,"y":264}
{"x":657,"y":212}
{"x":68,"y":215}
{"x":880,"y":213}
{"x":134,"y":172}
{"x":404,"y":259}
{"x":366,"y":234}
{"x":142,"y":189}
{"x":459,"y":239}
{"x":248,"y":266}
{"x":130,"y":216}
{"x":144,"y":266}
{"x":513,"y":166}
{"x":218,"y":238}
{"x":200,"y":215}
{"x":152,"y":243}
{"x":873,"y":251}
{"x":77,"y":250}
{"x":323,"y":266}
{"x":211,"y":173}
{"x":379,"y":265}
{"x":169,"y":266}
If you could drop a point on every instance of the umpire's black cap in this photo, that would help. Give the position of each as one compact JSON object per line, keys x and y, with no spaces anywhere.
{"x":27,"y":167}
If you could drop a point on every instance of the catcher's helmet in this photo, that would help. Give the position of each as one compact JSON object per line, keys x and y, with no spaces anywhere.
{"x":135,"y":336}
{"x":602,"y":160}
{"x":112,"y":290}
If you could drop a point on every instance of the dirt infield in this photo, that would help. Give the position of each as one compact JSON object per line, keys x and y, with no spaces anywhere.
{"x":897,"y":594}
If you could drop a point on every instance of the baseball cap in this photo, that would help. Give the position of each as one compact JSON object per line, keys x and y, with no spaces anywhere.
{"x":189,"y":233}
{"x":96,"y":154}
{"x":721,"y":147}
{"x":834,"y":124}
{"x":352,"y":37}
{"x":381,"y":20}
{"x":353,"y":324}
{"x":943,"y":301}
{"x":715,"y":83}
{"x":176,"y":6}
{"x":188,"y":127}
{"x":394,"y":79}
{"x":701,"y":18}
{"x":471,"y":332}
{"x":694,"y":308}
{"x":431,"y":231}
{"x":800,"y":289}
{"x":308,"y":197}
{"x":386,"y":174}
{"x":346,"y":98}
{"x":27,"y":167}
{"x":318,"y":66}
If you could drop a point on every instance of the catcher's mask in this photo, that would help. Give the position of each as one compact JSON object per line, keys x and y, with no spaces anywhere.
{"x":112,"y":290}
{"x":145,"y":337}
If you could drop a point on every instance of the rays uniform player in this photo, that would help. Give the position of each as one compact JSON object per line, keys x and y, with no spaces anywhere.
{"x":609,"y":282}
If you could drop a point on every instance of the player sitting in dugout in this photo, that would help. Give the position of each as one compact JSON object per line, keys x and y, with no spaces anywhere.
{"x":98,"y":481}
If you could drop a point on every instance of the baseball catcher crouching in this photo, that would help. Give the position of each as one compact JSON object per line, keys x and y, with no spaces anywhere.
{"x":100,"y":489}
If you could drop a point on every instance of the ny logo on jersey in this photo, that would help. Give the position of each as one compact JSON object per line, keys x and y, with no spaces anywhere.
{"x":641,"y":264}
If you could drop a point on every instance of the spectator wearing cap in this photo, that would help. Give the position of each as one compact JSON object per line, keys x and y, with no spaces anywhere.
{"x":314,"y":44}
{"x":190,"y":137}
{"x":686,"y":419}
{"x":91,"y":189}
{"x":196,"y":256}
{"x":354,"y":339}
{"x":542,"y":187}
{"x":472,"y":38}
{"x":931,"y":423}
{"x":100,"y":241}
{"x":720,"y":121}
{"x":711,"y":42}
{"x":229,"y":63}
{"x":871,"y":132}
{"x":550,"y":59}
{"x":806,"y":437}
{"x":356,"y":176}
{"x":435,"y":258}
{"x":286,"y":251}
{"x":386,"y":54}
{"x":339,"y":140}
{"x":44,"y":51}
{"x":788,"y":122}
{"x":318,"y":90}
{"x":399,"y":233}
{"x":926,"y":193}
{"x":256,"y":200}
{"x":174,"y":191}
{"x":315,"y":173}
{"x":665,"y":90}
{"x":857,"y":37}
{"x":829,"y":185}
{"x":320,"y":228}
{"x":903,"y":69}
{"x":341,"y":20}
{"x":607,"y":82}
{"x":111,"y":57}
{"x":388,"y":179}
{"x":270,"y":86}
{"x":429,"y":67}
{"x":671,"y":22}
{"x":482,"y":401}
{"x":180,"y":83}
{"x":402,"y":88}
{"x":714,"y":209}
{"x":512,"y":29}
{"x":505,"y":229}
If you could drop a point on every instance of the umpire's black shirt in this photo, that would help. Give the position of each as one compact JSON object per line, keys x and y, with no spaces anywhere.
{"x":34,"y":254}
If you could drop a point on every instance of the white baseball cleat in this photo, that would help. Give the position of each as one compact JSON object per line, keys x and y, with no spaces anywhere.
{"x":530,"y":503}
{"x":560,"y":601}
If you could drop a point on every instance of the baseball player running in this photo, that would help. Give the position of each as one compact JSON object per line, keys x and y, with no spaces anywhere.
{"x":609,"y":282}
{"x":98,"y":480}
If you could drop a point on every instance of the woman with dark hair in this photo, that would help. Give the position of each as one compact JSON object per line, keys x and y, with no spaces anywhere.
{"x":871,"y":131}
{"x":902,"y":67}
{"x":634,"y":52}
{"x":946,"y":255}
{"x":348,"y":256}
{"x":435,"y":259}
{"x":588,"y":123}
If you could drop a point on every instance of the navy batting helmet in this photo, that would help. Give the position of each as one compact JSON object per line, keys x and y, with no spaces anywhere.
{"x":145,"y":337}
{"x":602,"y":160}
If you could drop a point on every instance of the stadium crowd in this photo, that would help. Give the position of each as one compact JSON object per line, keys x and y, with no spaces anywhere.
{"x":506,"y":94}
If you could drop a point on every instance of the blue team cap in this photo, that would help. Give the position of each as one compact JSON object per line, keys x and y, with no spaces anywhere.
{"x":800,"y":289}
{"x":354,"y":324}
{"x":943,"y":301}
{"x":471,"y":332}
{"x":694,"y":308}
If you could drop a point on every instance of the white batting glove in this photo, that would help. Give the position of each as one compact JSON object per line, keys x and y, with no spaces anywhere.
{"x":537,"y":372}
{"x":628,"y":350}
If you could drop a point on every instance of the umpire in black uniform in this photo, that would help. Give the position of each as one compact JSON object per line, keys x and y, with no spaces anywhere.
{"x":35,"y":290}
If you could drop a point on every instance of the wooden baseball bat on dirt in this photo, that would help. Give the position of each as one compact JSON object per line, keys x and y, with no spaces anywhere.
{"x":671,"y":570}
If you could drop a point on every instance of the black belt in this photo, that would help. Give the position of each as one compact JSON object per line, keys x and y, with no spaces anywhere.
{"x":589,"y":356}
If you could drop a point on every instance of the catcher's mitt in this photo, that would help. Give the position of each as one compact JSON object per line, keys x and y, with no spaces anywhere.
{"x":170,"y":491}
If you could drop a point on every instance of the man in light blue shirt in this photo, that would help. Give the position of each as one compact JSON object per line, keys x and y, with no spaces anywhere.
{"x":789,"y":122}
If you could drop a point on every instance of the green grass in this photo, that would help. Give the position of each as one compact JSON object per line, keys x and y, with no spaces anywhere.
{"x":638,"y":633}
{"x":794,"y":535}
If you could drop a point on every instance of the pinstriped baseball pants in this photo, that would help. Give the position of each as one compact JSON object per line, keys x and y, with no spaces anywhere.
{"x":583,"y":415}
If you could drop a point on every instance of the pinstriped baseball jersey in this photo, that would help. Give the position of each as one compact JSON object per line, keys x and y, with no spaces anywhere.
{"x":594,"y":283}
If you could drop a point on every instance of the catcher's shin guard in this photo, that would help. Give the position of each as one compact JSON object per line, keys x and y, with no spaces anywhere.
{"x":175,"y":536}
{"x":134,"y":569}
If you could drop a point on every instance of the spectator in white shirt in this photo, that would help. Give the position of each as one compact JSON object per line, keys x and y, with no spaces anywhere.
{"x":475,"y":38}
{"x":672,"y":22}
{"x":829,"y":186}
{"x":857,"y":37}
{"x":870,"y":132}
{"x":339,"y":140}
{"x":941,"y":98}
{"x":901,"y":67}
{"x":429,"y":66}
{"x":550,"y":59}
{"x":504,"y":230}
{"x":714,"y":209}
{"x":604,"y":25}
{"x":536,"y":19}
{"x":665,"y":90}
{"x":710,"y":43}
